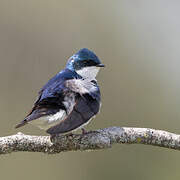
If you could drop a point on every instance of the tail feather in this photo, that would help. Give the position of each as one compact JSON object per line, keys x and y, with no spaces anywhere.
{"x":22,"y":123}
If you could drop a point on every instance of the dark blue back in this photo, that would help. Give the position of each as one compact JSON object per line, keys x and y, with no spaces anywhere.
{"x":55,"y":85}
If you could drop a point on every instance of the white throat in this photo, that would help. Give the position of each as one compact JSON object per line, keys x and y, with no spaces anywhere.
{"x":88,"y":72}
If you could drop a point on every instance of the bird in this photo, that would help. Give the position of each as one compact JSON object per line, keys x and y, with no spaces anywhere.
{"x":70,"y":99}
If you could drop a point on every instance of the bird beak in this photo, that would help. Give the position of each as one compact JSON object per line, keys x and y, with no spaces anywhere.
{"x":100,"y":65}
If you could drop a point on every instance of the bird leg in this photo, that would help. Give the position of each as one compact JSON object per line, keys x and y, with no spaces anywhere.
{"x":52,"y":136}
{"x":84,"y":131}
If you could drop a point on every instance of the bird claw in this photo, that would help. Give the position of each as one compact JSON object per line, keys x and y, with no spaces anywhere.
{"x":52,"y":137}
{"x":84,"y":131}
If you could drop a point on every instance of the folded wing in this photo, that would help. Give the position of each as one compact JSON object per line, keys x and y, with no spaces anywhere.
{"x":84,"y":109}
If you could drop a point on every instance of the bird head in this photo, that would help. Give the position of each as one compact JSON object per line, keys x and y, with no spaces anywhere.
{"x":85,"y":63}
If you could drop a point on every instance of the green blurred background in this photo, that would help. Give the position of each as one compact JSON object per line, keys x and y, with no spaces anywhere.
{"x":137,"y":40}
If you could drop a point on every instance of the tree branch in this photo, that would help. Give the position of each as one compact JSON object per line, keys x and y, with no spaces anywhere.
{"x":100,"y":139}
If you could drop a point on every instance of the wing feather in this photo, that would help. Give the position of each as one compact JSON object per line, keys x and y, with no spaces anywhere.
{"x":81,"y":114}
{"x":52,"y":96}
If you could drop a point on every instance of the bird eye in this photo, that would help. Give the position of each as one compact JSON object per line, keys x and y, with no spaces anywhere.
{"x":90,"y":63}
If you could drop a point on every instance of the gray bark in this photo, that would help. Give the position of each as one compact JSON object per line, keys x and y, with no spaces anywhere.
{"x":99,"y":139}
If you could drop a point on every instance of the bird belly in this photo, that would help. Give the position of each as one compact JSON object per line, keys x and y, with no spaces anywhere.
{"x":45,"y":122}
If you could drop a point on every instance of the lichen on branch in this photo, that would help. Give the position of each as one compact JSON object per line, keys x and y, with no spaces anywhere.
{"x":94,"y":140}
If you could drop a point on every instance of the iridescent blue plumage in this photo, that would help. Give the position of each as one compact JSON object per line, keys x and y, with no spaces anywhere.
{"x":70,"y":99}
{"x":56,"y":85}
{"x":82,"y":55}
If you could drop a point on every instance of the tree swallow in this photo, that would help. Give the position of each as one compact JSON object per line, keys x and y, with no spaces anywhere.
{"x":70,"y":99}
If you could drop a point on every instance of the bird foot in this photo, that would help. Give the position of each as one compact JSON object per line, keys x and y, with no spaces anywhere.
{"x":52,"y":136}
{"x":84,"y":131}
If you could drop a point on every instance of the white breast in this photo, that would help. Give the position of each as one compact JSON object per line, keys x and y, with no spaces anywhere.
{"x":89,"y":72}
{"x":81,"y":86}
